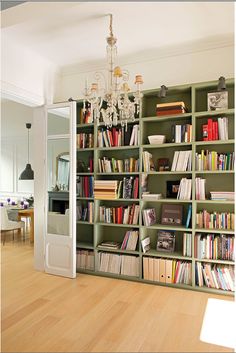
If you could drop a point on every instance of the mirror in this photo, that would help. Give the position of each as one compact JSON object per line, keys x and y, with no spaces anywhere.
{"x":63,"y":171}
{"x":58,"y":171}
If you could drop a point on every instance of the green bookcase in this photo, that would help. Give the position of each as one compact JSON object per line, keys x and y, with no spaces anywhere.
{"x":89,"y":235}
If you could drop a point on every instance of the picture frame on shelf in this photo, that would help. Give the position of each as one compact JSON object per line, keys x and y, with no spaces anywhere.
{"x":217,"y":100}
{"x":172,"y":214}
{"x":172,"y":188}
{"x":165,"y":241}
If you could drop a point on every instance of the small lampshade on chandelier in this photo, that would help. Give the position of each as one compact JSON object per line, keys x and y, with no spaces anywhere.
{"x":111,"y":102}
{"x":28,"y":173}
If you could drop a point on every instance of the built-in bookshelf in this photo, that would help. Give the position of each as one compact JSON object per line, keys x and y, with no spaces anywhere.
{"x":91,"y":234}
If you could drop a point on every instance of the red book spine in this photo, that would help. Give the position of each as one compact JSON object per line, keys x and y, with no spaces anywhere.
{"x":170,"y":112}
{"x":114,"y":136}
{"x":131,"y":215}
{"x":216,"y":128}
{"x":210,"y":129}
{"x":110,"y":138}
{"x":213,"y":130}
{"x":86,"y":187}
{"x":91,"y":165}
{"x":136,"y":188}
{"x":119,"y":218}
{"x":117,"y":135}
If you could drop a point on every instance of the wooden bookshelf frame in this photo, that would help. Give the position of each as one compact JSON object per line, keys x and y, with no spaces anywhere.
{"x":194,"y":96}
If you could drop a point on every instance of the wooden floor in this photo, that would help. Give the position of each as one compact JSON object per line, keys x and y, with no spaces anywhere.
{"x":43,"y":313}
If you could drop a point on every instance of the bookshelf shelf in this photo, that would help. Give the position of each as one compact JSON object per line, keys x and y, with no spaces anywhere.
{"x":90,"y":235}
{"x":85,"y":198}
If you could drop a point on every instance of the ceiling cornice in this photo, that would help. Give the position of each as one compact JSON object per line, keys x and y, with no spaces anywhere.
{"x":153,"y":55}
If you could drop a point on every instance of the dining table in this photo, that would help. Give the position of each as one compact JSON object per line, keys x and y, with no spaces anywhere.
{"x":28,"y":212}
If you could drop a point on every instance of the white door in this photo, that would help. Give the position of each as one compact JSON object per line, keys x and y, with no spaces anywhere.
{"x":60,"y":233}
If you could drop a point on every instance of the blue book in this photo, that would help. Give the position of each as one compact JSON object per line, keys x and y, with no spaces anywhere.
{"x":189,"y":215}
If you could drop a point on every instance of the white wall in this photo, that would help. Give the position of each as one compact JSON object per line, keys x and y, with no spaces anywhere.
{"x":14,"y":142}
{"x":194,"y":65}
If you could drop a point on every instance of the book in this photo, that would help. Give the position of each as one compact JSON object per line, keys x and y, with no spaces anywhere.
{"x":149,"y":217}
{"x":145,"y":244}
{"x":189,"y":216}
{"x":109,"y":245}
{"x":172,"y":214}
{"x":165,"y":241}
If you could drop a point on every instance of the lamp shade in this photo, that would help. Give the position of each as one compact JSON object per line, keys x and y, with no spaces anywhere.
{"x":28,"y":173}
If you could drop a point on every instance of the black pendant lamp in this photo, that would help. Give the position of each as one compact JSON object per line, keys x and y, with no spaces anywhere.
{"x":28,"y":173}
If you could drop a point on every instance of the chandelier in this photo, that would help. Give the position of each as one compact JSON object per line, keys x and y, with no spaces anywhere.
{"x":111,"y":102}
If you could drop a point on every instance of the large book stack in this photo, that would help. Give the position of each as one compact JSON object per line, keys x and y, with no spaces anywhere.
{"x":222,"y":195}
{"x":215,"y":130}
{"x":181,"y":133}
{"x":149,"y":217}
{"x":214,"y":246}
{"x":119,"y":215}
{"x":85,"y":140}
{"x":119,"y":264}
{"x":167,"y":271}
{"x":85,"y":212}
{"x":182,"y":161}
{"x":215,"y":276}
{"x":106,"y":189}
{"x":148,"y":164}
{"x":215,"y":220}
{"x":119,"y":136}
{"x":85,"y":186}
{"x":187,"y":244}
{"x":200,"y":185}
{"x":211,"y":160}
{"x":170,"y":108}
{"x":85,"y":259}
{"x":185,"y":189}
{"x":130,"y":240}
{"x":112,"y":165}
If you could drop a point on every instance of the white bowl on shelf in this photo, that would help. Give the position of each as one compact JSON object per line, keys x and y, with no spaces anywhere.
{"x":156,"y":139}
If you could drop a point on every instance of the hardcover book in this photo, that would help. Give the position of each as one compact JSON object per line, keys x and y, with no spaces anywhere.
{"x":149,"y":216}
{"x":172,"y":214}
{"x":165,"y":241}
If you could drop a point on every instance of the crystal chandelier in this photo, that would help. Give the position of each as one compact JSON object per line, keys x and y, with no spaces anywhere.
{"x":110,"y":102}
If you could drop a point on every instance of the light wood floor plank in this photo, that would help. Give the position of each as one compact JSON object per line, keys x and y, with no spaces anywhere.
{"x":44,"y":313}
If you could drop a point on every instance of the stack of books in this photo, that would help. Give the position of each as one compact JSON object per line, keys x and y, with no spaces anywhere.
{"x":181,"y":133}
{"x":119,"y":136}
{"x":85,"y":259}
{"x":211,"y":160}
{"x":215,"y":220}
{"x":214,"y":246}
{"x":151,"y":197}
{"x":85,"y":186}
{"x":149,"y":217}
{"x":185,"y":189}
{"x":187,"y":244}
{"x":85,"y":140}
{"x":170,"y":108}
{"x":215,"y":129}
{"x":222,"y":195}
{"x":119,"y":264}
{"x":109,"y":245}
{"x":148,"y":164}
{"x":130,"y":240}
{"x":85,"y":212}
{"x":119,"y":215}
{"x":106,"y":189}
{"x":200,"y":188}
{"x":112,"y":165}
{"x":167,"y":271}
{"x":215,"y":276}
{"x":182,"y":161}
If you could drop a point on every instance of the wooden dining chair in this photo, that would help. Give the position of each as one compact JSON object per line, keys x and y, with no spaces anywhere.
{"x":10,"y":226}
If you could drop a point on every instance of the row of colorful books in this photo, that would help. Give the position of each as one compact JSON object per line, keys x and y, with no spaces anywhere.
{"x":85,"y":140}
{"x":126,"y":265}
{"x":85,"y":186}
{"x":215,"y":276}
{"x":119,"y":215}
{"x":130,"y":240}
{"x":119,"y":136}
{"x":215,"y":220}
{"x":212,"y":160}
{"x":85,"y":212}
{"x":181,"y":133}
{"x":86,"y":116}
{"x":112,"y":165}
{"x":128,"y":188}
{"x":214,"y":246}
{"x":167,"y":271}
{"x":85,"y":259}
{"x":215,"y":129}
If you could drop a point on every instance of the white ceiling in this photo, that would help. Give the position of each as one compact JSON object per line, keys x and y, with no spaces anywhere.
{"x":74,"y":32}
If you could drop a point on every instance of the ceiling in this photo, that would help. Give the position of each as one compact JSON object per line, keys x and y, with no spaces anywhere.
{"x":7,"y":4}
{"x":69,"y":33}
